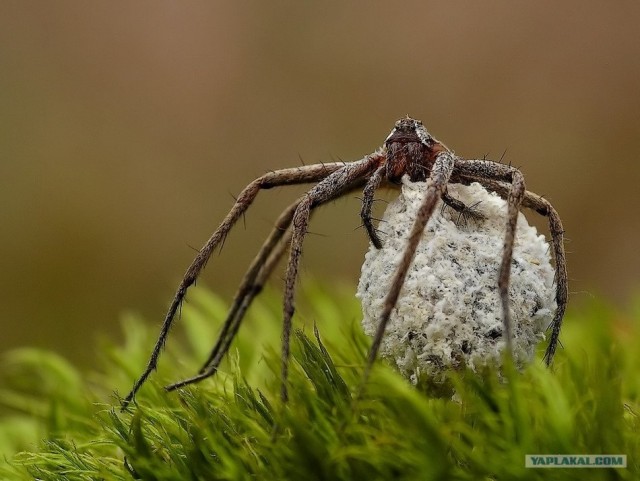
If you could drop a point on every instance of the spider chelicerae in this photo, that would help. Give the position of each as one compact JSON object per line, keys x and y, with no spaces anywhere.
{"x":408,"y":150}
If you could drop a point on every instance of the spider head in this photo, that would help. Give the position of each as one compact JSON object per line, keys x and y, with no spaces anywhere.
{"x":410,"y":150}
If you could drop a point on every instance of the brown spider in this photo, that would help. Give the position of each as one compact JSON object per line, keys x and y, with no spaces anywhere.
{"x":408,"y":150}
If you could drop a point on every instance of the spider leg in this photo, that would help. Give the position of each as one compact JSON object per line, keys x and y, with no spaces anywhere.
{"x":489,"y":170}
{"x":562,"y":288}
{"x":297,"y":175}
{"x":367,"y":202}
{"x":243,"y":300}
{"x":254,"y":279}
{"x":516,"y":193}
{"x":465,"y":211}
{"x":330,"y":188}
{"x":250,"y":286}
{"x":437,"y":183}
{"x":543,"y":207}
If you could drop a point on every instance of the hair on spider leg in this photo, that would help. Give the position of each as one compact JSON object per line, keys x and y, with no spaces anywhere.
{"x":244,"y":218}
{"x":475,"y":214}
{"x":461,"y":216}
{"x":377,"y":230}
{"x":448,"y":209}
{"x":363,"y":225}
{"x":501,"y":159}
{"x":383,"y":232}
{"x":222,"y":242}
{"x":361,"y":199}
{"x":193,"y":248}
{"x":337,"y":159}
{"x":471,"y":212}
{"x":318,"y":234}
{"x":465,"y":212}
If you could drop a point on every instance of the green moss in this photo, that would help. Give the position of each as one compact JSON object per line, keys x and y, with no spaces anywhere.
{"x":60,"y":424}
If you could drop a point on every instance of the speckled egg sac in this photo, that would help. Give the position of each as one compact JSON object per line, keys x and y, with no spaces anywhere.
{"x":449,"y":313}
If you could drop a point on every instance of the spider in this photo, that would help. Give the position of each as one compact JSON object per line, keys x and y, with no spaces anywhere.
{"x":408,"y":150}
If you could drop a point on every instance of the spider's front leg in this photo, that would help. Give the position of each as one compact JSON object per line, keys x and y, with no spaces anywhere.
{"x":331,"y":187}
{"x":544,"y":207}
{"x":465,"y":212}
{"x":436,"y":186}
{"x":487,"y":169}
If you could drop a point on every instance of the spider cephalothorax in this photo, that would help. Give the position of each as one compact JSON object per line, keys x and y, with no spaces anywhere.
{"x":409,"y":150}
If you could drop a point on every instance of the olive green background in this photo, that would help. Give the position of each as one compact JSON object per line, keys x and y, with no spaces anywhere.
{"x":126,"y":127}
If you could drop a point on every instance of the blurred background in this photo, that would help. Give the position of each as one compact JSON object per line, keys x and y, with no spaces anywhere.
{"x":127,"y":127}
